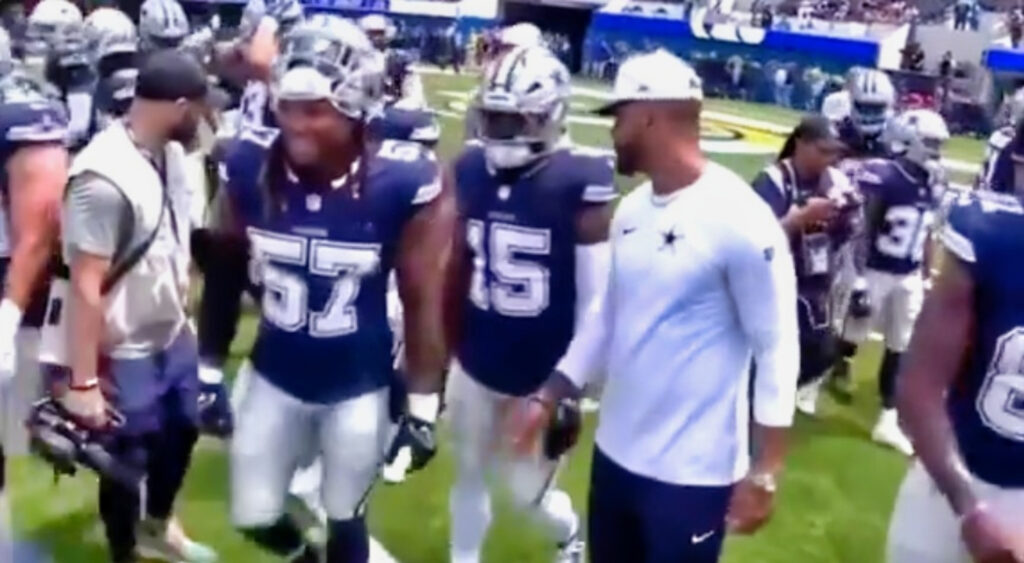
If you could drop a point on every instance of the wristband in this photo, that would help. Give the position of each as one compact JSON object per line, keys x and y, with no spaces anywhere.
{"x":87,"y":385}
{"x":424,"y":406}
{"x":10,"y":316}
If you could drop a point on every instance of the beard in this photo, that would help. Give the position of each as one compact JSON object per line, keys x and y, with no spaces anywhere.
{"x":185,"y":133}
{"x":625,"y":159}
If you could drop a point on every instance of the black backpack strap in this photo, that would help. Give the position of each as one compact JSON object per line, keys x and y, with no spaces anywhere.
{"x":124,"y":262}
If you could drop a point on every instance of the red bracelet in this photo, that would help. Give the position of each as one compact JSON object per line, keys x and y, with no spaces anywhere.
{"x":89,"y":385}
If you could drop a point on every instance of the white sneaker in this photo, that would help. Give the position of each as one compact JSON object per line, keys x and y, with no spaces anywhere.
{"x":888,"y":432}
{"x":807,"y":398}
{"x":572,"y":551}
{"x":165,"y":541}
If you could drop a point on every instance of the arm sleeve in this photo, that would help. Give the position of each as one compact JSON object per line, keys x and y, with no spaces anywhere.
{"x":585,"y":357}
{"x":762,"y":283}
{"x":93,"y":215}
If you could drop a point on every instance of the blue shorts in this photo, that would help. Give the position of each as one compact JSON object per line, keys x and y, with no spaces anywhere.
{"x":157,"y":391}
{"x":641,"y":520}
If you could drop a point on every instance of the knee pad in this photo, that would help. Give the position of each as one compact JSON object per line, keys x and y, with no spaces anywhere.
{"x":348,"y":541}
{"x":282,"y":537}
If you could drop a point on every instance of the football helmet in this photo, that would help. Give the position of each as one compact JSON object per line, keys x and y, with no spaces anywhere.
{"x":329,"y":57}
{"x":522,"y":103}
{"x":919,"y":135}
{"x":872,"y":101}
{"x":109,"y":31}
{"x":287,"y":13}
{"x":162,"y":24}
{"x":45,"y":23}
{"x":379,"y":29}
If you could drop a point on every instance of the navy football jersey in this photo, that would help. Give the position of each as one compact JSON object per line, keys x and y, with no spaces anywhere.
{"x":322,"y":259}
{"x":903,"y":197}
{"x":254,"y":109}
{"x":859,"y":146}
{"x":521,"y":242}
{"x":407,"y":124}
{"x":986,"y":231}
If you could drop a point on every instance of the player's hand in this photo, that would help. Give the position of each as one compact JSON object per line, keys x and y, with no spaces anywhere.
{"x":750,"y":507}
{"x":818,"y":210}
{"x":986,"y":538}
{"x":86,"y":404}
{"x":416,"y":443}
{"x":215,"y":416}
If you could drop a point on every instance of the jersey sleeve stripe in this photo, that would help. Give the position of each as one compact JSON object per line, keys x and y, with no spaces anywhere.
{"x":427,"y":193}
{"x":958,"y":244}
{"x":596,"y":193}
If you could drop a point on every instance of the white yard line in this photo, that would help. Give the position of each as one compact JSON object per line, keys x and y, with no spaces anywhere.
{"x":378,"y":554}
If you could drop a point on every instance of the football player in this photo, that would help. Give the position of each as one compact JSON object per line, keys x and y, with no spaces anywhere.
{"x":404,"y":117}
{"x":325,"y":219}
{"x":531,"y":254}
{"x":33,"y":127}
{"x":819,"y":210}
{"x":960,"y":396}
{"x":901,"y":202}
{"x":409,"y":87}
{"x":1010,"y":116}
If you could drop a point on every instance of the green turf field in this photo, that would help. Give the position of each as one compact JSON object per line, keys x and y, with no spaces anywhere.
{"x":835,"y":498}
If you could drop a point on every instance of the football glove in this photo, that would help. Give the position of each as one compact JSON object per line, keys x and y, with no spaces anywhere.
{"x":860,"y":301}
{"x":563,"y":430}
{"x":415,"y":443}
{"x":215,"y":416}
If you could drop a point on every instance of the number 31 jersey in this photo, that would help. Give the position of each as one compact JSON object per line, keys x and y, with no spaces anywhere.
{"x":520,"y":245}
{"x":907,"y":207}
{"x":986,"y":231}
{"x":322,"y":260}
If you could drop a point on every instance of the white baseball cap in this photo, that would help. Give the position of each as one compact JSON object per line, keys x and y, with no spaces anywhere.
{"x":656,"y":76}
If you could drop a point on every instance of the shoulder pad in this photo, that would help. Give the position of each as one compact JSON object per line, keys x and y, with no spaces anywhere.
{"x":596,"y":170}
{"x":33,"y":121}
{"x":410,"y":168}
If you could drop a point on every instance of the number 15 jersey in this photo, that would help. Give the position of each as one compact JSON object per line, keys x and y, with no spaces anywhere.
{"x":521,"y":247}
{"x":986,"y":405}
{"x":321,"y":258}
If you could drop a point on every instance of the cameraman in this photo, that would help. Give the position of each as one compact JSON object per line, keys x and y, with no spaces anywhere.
{"x":817,"y":207}
{"x":126,"y":244}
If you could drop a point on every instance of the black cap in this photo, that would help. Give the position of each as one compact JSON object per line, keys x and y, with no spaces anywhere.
{"x":171,"y":75}
{"x":818,"y":128}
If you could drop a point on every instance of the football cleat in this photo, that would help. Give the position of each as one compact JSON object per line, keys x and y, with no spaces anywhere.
{"x":572,"y":551}
{"x":807,"y":398}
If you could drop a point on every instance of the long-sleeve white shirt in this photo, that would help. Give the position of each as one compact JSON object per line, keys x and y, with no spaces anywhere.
{"x":702,"y":282}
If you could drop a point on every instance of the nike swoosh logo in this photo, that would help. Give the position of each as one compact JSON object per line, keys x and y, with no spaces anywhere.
{"x":695,"y":539}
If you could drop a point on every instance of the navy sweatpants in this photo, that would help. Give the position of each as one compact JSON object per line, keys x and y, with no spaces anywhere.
{"x":641,"y":520}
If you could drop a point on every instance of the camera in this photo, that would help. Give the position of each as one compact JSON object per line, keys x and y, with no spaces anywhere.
{"x":64,"y":443}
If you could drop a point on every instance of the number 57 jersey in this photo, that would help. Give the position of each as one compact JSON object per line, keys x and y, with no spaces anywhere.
{"x":321,"y":257}
{"x":520,"y":230}
{"x":986,"y":231}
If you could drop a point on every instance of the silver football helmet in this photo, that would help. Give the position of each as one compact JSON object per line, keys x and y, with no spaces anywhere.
{"x":327,"y":57}
{"x":287,"y":13}
{"x":109,"y":31}
{"x":872,"y":101}
{"x":919,"y":136}
{"x":162,"y":24}
{"x":47,"y":21}
{"x":523,"y":103}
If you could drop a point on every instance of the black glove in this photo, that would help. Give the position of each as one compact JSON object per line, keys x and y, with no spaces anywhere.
{"x":215,"y":416}
{"x":415,"y":443}
{"x":564,"y":429}
{"x":860,"y":304}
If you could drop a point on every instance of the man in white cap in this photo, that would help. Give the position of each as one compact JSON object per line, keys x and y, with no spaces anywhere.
{"x":702,"y":282}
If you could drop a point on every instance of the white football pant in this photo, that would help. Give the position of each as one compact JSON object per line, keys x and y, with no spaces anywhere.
{"x":896,"y":301}
{"x":475,"y":414}
{"x":17,"y":396}
{"x":924,"y":528}
{"x":276,"y":434}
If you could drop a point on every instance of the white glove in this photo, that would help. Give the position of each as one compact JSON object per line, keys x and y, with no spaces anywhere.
{"x":10,"y":320}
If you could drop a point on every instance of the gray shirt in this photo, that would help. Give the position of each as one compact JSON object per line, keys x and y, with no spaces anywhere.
{"x":97,"y":218}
